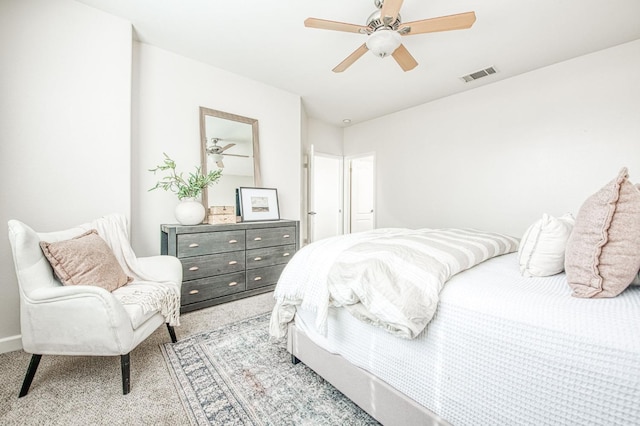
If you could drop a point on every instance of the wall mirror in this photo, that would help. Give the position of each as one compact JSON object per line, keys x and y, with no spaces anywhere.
{"x":229,"y":142}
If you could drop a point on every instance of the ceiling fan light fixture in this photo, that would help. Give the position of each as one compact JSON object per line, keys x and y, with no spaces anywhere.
{"x":216,"y":157}
{"x":385,"y":30}
{"x":383,"y":42}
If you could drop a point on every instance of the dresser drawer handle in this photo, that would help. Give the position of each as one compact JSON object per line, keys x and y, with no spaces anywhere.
{"x":194,"y":245}
{"x":285,"y":254}
{"x":233,"y":241}
{"x":232,"y":283}
{"x":257,"y":239}
{"x":286,"y":236}
{"x":194,"y":268}
{"x":194,"y":292}
{"x":257,"y":278}
{"x":233,"y":262}
{"x":257,"y":259}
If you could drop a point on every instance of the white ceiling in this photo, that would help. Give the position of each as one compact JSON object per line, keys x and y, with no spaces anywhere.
{"x":267,"y":41}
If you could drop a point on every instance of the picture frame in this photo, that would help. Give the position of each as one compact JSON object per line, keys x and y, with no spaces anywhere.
{"x":258,"y":204}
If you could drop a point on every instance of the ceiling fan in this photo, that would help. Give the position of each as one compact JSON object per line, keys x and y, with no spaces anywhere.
{"x":216,"y":151}
{"x":384,"y":29}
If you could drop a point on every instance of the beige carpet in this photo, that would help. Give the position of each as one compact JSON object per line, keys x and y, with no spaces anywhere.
{"x":88,"y":390}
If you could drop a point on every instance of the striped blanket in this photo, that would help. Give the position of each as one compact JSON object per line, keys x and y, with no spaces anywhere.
{"x":390,"y":277}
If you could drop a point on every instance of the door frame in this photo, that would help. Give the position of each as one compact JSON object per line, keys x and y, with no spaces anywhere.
{"x":347,"y":190}
{"x":312,"y":187}
{"x":312,"y":190}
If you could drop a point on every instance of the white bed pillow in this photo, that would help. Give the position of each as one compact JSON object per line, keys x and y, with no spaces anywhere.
{"x":541,"y":251}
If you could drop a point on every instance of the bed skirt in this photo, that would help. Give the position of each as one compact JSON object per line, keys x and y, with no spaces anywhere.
{"x":380,"y":400}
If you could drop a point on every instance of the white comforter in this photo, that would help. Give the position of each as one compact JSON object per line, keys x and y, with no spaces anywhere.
{"x":390,"y":278}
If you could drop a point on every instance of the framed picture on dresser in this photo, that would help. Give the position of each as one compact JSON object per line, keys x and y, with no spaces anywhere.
{"x":258,"y":204}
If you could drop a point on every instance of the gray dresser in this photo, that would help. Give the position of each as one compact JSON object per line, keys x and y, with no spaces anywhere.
{"x":226,"y":262}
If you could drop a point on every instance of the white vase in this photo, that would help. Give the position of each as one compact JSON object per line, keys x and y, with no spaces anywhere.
{"x":190,"y":212}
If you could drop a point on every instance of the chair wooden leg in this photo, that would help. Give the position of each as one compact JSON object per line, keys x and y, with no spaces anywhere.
{"x":172,"y":333}
{"x":31,"y":372}
{"x":125,"y":364}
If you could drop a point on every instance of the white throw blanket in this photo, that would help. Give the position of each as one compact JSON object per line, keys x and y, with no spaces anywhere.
{"x":390,"y":278}
{"x":151,"y":293}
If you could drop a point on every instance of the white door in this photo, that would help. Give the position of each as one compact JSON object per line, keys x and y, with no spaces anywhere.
{"x":325,"y":217}
{"x":361,"y":193}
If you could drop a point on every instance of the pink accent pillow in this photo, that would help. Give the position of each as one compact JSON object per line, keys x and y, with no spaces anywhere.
{"x":603,"y":251}
{"x":85,"y":260}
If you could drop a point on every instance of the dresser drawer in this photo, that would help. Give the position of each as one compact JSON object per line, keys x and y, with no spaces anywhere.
{"x":213,"y":264}
{"x":269,"y":256}
{"x":212,"y":287}
{"x":261,"y":277}
{"x":268,"y":237}
{"x":210,"y":243}
{"x":225,"y":262}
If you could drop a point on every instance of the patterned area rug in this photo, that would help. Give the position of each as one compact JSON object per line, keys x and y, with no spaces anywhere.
{"x":236,"y":376}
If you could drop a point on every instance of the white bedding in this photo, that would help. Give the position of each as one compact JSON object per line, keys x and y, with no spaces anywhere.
{"x":503,"y":349}
{"x":391,"y":278}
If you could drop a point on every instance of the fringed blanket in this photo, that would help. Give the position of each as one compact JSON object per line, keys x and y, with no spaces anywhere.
{"x":390,"y":278}
{"x":152,"y":293}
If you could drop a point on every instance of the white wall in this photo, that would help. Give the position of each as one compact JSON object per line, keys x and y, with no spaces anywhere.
{"x":326,"y":138}
{"x":65,"y":87}
{"x":498,"y":156}
{"x":168,"y":90}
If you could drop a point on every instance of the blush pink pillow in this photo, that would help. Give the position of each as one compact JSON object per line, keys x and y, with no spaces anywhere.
{"x":603,"y":251}
{"x":85,"y":260}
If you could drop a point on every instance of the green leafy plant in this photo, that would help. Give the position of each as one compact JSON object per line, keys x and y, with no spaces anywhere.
{"x":191,"y":187}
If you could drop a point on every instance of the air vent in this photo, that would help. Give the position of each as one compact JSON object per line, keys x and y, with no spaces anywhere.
{"x":478,"y":74}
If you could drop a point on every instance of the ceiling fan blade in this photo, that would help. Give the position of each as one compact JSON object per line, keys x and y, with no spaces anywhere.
{"x":226,"y":147}
{"x":404,"y":58}
{"x":220,"y":164}
{"x":323,"y":24}
{"x":236,"y":155}
{"x":390,"y":8}
{"x":459,"y":21}
{"x":349,"y":60}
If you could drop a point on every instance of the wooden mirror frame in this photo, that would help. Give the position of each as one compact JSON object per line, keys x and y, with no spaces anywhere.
{"x":204,"y":112}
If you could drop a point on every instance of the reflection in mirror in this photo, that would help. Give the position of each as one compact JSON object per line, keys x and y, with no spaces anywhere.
{"x":229,"y":142}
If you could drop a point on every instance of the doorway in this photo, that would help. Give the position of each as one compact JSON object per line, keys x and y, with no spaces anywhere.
{"x":325,"y":196}
{"x":361,"y":193}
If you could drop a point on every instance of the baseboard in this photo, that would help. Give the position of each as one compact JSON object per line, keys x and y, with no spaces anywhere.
{"x":10,"y":344}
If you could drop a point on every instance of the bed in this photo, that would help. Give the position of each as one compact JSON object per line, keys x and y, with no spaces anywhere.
{"x":499,"y":348}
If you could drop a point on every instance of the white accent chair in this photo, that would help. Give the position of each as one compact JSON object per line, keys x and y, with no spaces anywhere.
{"x":79,"y":319}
